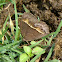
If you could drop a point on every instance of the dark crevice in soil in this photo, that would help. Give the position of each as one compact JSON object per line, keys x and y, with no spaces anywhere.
{"x":55,"y":12}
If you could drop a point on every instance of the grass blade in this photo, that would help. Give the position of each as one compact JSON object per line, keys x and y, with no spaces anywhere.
{"x":16,"y":19}
{"x":3,"y":32}
{"x":5,"y":22}
{"x":8,"y":46}
{"x":58,"y":29}
{"x":31,"y":46}
{"x":26,"y":10}
{"x":36,"y":57}
{"x":50,"y":53}
{"x":2,"y":4}
{"x":55,"y":60}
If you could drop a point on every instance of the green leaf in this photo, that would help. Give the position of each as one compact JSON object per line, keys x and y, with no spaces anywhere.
{"x":24,"y":57}
{"x":28,"y":50}
{"x":32,"y":42}
{"x":37,"y":50}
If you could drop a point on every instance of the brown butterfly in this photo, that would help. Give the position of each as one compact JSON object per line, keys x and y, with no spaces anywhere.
{"x":31,"y":28}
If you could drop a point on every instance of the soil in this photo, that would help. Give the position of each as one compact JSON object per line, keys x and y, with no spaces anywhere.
{"x":49,"y":11}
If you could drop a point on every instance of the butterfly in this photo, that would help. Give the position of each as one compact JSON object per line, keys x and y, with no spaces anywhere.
{"x":31,"y":28}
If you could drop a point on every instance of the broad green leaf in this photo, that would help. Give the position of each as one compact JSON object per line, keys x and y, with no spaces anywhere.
{"x":37,"y":50}
{"x":24,"y":57}
{"x":28,"y":50}
{"x":32,"y":42}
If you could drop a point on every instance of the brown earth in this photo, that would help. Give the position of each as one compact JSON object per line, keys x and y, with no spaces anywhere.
{"x":49,"y":11}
